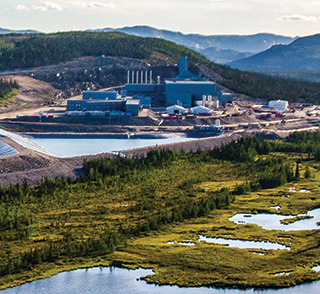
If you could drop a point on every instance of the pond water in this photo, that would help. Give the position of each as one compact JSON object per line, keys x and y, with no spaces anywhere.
{"x":123,"y":281}
{"x":243,"y":244}
{"x":272,"y":221}
{"x":70,"y":147}
{"x":187,"y":243}
{"x":316,"y":268}
{"x":67,"y":147}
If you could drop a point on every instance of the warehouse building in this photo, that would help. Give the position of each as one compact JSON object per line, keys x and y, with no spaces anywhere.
{"x":107,"y":102}
{"x":99,"y":105}
{"x":175,"y":109}
{"x":280,"y":105}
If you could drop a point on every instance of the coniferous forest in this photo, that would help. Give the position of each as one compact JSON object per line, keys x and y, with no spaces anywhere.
{"x":25,"y":51}
{"x":125,"y":211}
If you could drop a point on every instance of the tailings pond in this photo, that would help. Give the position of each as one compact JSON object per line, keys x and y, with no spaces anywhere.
{"x":123,"y":281}
{"x":74,"y":144}
{"x":66,"y":147}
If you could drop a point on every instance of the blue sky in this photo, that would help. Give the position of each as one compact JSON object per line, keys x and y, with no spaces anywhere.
{"x":208,"y":17}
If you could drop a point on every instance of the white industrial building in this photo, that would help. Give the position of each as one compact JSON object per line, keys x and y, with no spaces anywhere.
{"x":176,"y":109}
{"x":280,"y":105}
{"x":201,"y":110}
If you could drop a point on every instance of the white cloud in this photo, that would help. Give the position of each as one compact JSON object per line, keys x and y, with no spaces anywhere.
{"x":47,"y":6}
{"x":21,"y":7}
{"x":298,"y":17}
{"x":82,"y":4}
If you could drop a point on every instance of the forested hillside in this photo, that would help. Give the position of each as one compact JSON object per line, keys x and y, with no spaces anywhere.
{"x":25,"y":51}
{"x":302,"y":54}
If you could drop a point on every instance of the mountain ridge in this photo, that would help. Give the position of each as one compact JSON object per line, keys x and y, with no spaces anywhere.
{"x":5,"y":31}
{"x":301,"y":54}
{"x":248,"y":44}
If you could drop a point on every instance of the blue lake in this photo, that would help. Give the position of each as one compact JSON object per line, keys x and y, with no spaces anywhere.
{"x":123,"y":281}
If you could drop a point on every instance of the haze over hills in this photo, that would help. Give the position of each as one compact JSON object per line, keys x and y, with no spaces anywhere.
{"x":223,"y":56}
{"x":4,"y":31}
{"x":248,"y":44}
{"x":302,"y":54}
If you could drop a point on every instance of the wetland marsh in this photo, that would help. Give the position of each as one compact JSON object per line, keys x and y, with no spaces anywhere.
{"x":128,"y":211}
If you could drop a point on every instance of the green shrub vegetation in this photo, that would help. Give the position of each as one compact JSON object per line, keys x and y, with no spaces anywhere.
{"x":24,"y":51}
{"x":125,"y":211}
{"x":8,"y":89}
{"x":291,"y":220}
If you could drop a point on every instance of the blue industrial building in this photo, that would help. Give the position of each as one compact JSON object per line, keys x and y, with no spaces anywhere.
{"x":185,"y":89}
{"x":96,"y":105}
{"x":187,"y":92}
{"x":105,"y":102}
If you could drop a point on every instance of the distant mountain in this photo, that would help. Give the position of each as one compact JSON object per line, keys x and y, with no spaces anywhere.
{"x":302,"y":54}
{"x":4,"y":31}
{"x":246,"y":43}
{"x":223,"y":56}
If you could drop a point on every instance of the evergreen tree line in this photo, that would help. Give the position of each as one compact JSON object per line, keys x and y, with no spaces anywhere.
{"x":104,"y":244}
{"x":102,"y":167}
{"x":268,"y":172}
{"x":20,"y":194}
{"x":6,"y":86}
